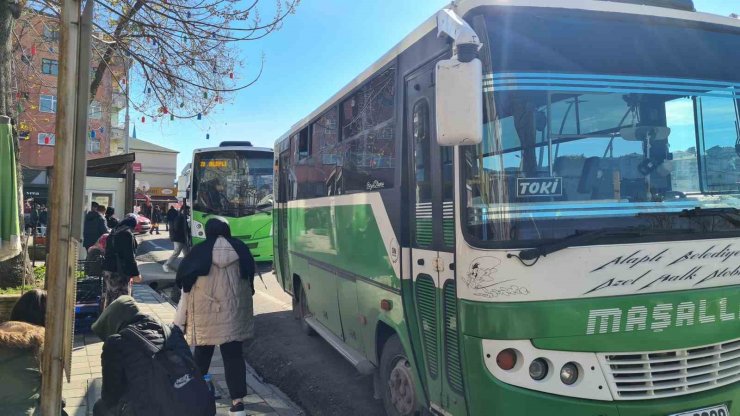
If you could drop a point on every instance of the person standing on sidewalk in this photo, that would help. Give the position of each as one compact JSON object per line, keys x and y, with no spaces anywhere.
{"x":94,"y":226}
{"x":178,"y":235}
{"x":156,"y":219}
{"x":217,"y":280}
{"x":119,"y":265}
{"x":171,"y":217}
{"x":110,"y":218}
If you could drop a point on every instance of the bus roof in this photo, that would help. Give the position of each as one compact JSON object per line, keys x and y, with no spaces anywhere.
{"x":237,"y":148}
{"x":462,"y":7}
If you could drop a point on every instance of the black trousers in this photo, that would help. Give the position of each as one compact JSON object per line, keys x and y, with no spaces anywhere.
{"x":234,"y":366}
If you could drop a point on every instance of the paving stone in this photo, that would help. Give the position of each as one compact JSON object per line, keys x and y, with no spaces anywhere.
{"x":72,"y":393}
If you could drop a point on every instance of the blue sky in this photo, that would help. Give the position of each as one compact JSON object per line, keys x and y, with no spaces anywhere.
{"x":318,"y":51}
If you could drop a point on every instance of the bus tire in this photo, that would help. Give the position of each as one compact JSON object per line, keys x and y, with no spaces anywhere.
{"x":304,"y":312}
{"x":398,"y":390}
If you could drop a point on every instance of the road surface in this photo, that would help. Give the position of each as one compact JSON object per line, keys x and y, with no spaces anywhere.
{"x":305,"y":368}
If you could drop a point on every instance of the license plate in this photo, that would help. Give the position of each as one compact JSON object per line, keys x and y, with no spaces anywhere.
{"x":709,"y":411}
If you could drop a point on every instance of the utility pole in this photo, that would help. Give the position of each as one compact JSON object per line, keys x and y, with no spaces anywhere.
{"x":66,"y":198}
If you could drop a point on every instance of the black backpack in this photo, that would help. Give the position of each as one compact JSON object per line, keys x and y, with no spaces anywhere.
{"x":175,"y":379}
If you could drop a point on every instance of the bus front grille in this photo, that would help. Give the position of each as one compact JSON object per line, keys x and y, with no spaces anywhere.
{"x":654,"y":375}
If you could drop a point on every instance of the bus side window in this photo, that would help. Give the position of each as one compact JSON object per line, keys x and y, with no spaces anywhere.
{"x":420,"y":131}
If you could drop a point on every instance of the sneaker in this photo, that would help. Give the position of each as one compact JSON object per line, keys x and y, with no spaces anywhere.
{"x":166,"y":268}
{"x":238,"y":410}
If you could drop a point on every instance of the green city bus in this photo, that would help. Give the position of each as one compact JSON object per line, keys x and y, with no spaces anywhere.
{"x":528,"y":207}
{"x":234,"y":181}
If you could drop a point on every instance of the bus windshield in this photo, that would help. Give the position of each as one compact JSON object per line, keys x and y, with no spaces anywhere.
{"x":566,"y":151}
{"x":554,"y":161}
{"x":232,"y":183}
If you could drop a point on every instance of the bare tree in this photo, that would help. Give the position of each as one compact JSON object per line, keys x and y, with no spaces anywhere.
{"x":183,"y":52}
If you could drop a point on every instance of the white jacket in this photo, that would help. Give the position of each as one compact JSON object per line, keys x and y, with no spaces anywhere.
{"x":219,"y":308}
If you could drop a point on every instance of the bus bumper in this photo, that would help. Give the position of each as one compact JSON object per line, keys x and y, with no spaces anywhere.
{"x":488,"y":396}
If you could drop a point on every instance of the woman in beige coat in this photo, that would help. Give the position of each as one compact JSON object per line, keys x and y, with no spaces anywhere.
{"x":216,"y":307}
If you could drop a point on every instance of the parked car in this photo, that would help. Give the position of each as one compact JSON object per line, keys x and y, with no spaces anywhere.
{"x":143,"y":224}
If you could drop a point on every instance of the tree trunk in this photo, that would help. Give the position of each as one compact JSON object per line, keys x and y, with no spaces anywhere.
{"x":13,"y":271}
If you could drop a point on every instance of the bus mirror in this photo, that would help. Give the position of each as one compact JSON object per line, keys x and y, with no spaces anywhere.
{"x":459,"y":102}
{"x":643,"y":133}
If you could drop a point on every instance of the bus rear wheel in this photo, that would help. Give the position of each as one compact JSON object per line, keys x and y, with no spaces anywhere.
{"x":397,"y":380}
{"x":304,"y":312}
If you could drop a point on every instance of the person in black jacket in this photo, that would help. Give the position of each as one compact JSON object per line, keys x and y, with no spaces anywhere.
{"x":94,"y":226}
{"x":156,"y":219}
{"x":127,"y":370}
{"x":119,"y":265}
{"x":110,"y":219}
{"x":179,"y":235}
{"x":171,"y":217}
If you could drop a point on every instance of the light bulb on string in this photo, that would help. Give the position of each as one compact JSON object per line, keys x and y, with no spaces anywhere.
{"x":172,"y":117}
{"x":208,"y":136}
{"x":200,"y":115}
{"x":143,"y":119}
{"x":92,"y":134}
{"x":33,"y":50}
{"x":231,"y":75}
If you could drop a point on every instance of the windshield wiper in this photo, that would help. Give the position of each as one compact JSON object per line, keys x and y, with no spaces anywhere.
{"x":585,"y":237}
{"x":724,"y":213}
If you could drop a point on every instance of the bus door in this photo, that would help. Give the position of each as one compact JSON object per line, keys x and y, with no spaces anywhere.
{"x":432,"y":220}
{"x":281,"y":222}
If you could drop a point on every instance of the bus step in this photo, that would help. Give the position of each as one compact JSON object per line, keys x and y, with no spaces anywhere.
{"x":362,"y":364}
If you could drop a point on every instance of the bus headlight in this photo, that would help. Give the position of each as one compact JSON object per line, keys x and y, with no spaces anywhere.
{"x":565,"y":373}
{"x":198,"y":230}
{"x":538,"y":369}
{"x":569,"y":373}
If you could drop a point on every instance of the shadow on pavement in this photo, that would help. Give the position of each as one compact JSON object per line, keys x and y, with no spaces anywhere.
{"x":308,"y":369}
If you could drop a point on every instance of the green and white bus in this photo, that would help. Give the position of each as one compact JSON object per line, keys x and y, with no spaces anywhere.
{"x":234,"y":181}
{"x":528,"y":207}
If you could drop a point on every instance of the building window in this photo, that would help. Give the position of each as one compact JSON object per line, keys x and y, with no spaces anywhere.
{"x":93,"y":145}
{"x":47,"y":139}
{"x":48,"y":103}
{"x":51,"y":33}
{"x":304,"y":146}
{"x":96,"y":111}
{"x":50,"y":66}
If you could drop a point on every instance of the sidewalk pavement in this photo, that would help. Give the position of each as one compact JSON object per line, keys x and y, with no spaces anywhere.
{"x":86,"y":381}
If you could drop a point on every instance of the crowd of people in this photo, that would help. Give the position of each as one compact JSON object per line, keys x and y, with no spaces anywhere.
{"x":36,"y":217}
{"x":147,"y":364}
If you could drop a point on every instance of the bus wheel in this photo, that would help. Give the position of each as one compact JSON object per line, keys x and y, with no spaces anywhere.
{"x":304,"y":312}
{"x":397,"y":380}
